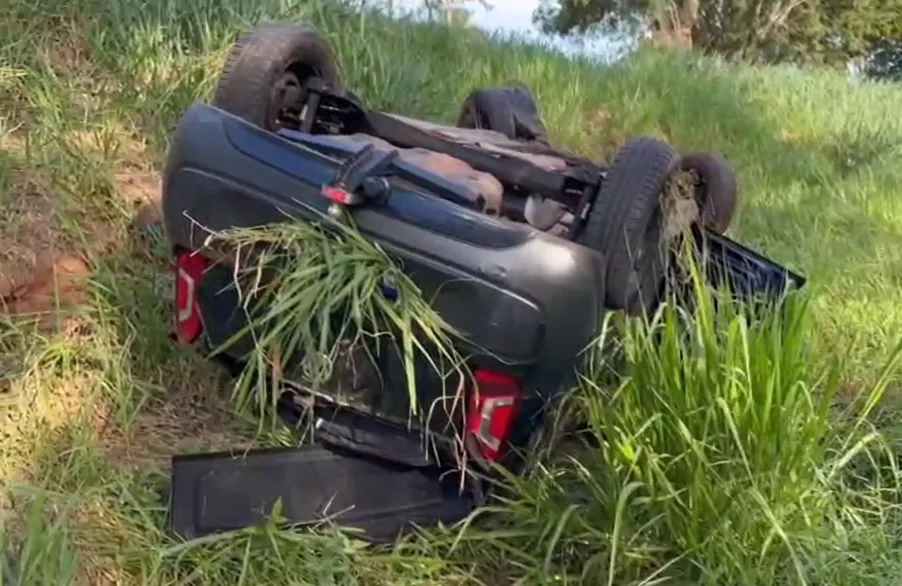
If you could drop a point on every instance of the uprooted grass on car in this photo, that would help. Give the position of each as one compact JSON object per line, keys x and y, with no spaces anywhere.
{"x":92,"y":407}
{"x":291,"y":269}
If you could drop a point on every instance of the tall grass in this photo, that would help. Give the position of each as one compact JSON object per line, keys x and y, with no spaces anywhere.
{"x":712,"y":456}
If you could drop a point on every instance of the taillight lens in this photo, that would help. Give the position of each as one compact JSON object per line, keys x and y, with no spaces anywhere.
{"x":493,"y":406}
{"x":189,"y":269}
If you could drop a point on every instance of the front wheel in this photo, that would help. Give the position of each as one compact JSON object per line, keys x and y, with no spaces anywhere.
{"x":264,"y":75}
{"x":626,"y":224}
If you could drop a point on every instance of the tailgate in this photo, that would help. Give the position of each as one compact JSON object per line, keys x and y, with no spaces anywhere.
{"x":212,"y":493}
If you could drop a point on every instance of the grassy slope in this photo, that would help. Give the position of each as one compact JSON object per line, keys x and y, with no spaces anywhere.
{"x":89,"y":91}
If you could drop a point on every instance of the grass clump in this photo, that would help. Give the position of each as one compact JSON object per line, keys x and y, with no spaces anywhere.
{"x":712,"y":455}
{"x":42,"y":553}
{"x":310,"y":290}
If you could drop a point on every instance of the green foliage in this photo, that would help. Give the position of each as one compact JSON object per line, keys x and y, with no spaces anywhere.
{"x":711,"y":457}
{"x":43,"y":555}
{"x":835,"y":32}
{"x":764,"y":32}
{"x":580,"y":16}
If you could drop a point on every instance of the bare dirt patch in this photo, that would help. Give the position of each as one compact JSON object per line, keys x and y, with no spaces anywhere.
{"x":28,"y":238}
{"x":55,"y":282}
{"x":37,"y":273}
{"x":143,"y":190}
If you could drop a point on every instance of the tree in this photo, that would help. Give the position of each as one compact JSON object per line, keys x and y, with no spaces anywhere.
{"x":661,"y":18}
{"x":839,"y":31}
{"x":824,"y":31}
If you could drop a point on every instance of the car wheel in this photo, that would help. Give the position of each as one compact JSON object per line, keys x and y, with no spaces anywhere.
{"x":264,"y":74}
{"x":489,"y":110}
{"x":529,"y":123}
{"x":512,"y":111}
{"x":716,"y":188}
{"x":626,"y":223}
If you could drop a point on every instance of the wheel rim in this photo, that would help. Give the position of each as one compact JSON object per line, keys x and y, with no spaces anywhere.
{"x":284,"y":99}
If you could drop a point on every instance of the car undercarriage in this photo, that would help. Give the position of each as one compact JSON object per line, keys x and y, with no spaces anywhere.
{"x":522,"y":247}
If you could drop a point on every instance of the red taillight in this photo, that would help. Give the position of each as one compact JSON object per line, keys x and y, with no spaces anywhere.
{"x":492,"y":409}
{"x":189,"y":269}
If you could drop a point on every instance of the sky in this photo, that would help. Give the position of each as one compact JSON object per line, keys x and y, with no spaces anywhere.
{"x":505,"y":15}
{"x":510,"y":15}
{"x":515,"y":16}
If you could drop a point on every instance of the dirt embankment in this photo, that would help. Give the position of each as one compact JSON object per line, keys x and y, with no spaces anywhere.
{"x":35,"y":269}
{"x":40,"y":269}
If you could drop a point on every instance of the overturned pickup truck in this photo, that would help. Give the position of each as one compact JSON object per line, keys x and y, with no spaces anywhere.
{"x":519,"y":245}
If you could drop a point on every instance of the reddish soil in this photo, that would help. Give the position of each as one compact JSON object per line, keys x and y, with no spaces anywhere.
{"x":34,"y":272}
{"x":139,"y":187}
{"x":53,"y":282}
{"x":38,"y":272}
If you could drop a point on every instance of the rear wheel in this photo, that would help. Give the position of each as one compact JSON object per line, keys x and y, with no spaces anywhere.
{"x":626,"y":224}
{"x":512,"y":111}
{"x":264,"y":75}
